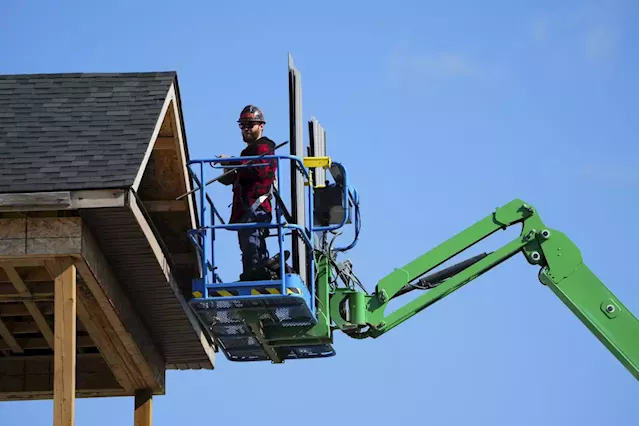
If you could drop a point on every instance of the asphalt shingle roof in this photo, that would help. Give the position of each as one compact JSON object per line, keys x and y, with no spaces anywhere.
{"x":76,"y":131}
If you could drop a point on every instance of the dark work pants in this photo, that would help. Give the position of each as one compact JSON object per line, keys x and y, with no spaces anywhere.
{"x":253,"y":243}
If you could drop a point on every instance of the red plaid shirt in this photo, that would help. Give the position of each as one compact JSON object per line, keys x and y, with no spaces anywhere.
{"x":253,"y":181}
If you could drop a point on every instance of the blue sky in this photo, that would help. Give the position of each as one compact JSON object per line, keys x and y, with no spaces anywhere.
{"x":441,"y":111}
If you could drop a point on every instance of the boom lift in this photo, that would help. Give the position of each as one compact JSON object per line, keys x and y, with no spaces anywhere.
{"x":295,"y":315}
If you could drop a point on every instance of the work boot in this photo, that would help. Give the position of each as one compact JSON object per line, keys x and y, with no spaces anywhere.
{"x":259,"y":273}
{"x":273,"y":264}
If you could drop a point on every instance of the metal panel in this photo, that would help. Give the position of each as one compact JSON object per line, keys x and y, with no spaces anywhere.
{"x":138,"y":272}
{"x":298,"y":249}
{"x":318,"y":144}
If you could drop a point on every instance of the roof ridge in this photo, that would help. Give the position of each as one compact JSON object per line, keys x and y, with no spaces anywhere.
{"x":85,"y":74}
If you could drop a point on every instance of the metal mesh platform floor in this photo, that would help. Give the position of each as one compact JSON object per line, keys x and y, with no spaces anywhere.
{"x":239,"y":343}
{"x":239,"y":317}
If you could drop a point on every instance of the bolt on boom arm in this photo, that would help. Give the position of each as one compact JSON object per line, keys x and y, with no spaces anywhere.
{"x":562,"y":270}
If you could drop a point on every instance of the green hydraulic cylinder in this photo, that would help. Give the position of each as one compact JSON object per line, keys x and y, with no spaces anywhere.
{"x":358,"y":308}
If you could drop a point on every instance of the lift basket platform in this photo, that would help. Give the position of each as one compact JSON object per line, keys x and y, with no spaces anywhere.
{"x":240,"y":315}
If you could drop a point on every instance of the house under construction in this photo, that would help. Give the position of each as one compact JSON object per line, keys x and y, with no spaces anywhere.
{"x":90,"y":169}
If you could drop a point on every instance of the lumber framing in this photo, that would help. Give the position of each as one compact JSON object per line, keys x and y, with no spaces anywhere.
{"x":64,"y":353}
{"x":62,"y":200}
{"x":41,"y":257}
{"x":35,"y":373}
{"x":143,"y":408}
{"x":24,"y":292}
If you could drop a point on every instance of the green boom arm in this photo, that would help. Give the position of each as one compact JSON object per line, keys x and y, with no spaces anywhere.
{"x":562,"y":270}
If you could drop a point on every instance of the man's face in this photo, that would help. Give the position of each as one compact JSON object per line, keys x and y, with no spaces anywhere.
{"x":251,"y":132}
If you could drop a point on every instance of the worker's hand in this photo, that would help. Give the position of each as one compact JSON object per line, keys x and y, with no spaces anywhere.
{"x":221,"y":156}
{"x":228,"y":177}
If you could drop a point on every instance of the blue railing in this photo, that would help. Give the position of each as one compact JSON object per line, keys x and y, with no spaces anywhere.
{"x":204,"y":236}
{"x":208,"y":224}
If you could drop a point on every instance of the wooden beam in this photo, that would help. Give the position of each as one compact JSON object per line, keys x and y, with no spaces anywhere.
{"x":31,"y":306}
{"x":38,"y":343}
{"x":30,"y":327}
{"x":37,"y":290}
{"x":105,"y":338}
{"x":62,"y":200}
{"x":9,"y":339}
{"x":64,"y":355}
{"x":143,"y":407}
{"x":100,"y":198}
{"x":31,"y":377}
{"x":36,"y":274}
{"x":35,"y":201}
{"x":20,"y":310}
{"x":18,"y":261}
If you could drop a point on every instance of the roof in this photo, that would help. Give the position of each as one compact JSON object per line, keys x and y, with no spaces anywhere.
{"x":77,"y":131}
{"x":119,"y":139}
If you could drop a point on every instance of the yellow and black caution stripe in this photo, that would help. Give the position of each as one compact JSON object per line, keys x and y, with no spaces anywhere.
{"x":223,"y":293}
{"x":274,"y":290}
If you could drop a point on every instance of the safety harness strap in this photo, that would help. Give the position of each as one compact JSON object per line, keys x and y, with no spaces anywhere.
{"x":264,"y":197}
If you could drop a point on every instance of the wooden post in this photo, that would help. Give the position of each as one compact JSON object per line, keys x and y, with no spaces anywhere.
{"x":64,"y":352}
{"x":143,"y":404}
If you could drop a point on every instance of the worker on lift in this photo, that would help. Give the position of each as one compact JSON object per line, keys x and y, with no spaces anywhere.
{"x":252,"y":187}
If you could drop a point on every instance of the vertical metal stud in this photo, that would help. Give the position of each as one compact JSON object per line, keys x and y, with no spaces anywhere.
{"x":318,"y":149}
{"x":298,"y":249}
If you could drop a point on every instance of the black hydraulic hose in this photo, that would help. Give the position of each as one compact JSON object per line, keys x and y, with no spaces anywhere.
{"x":432,"y":280}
